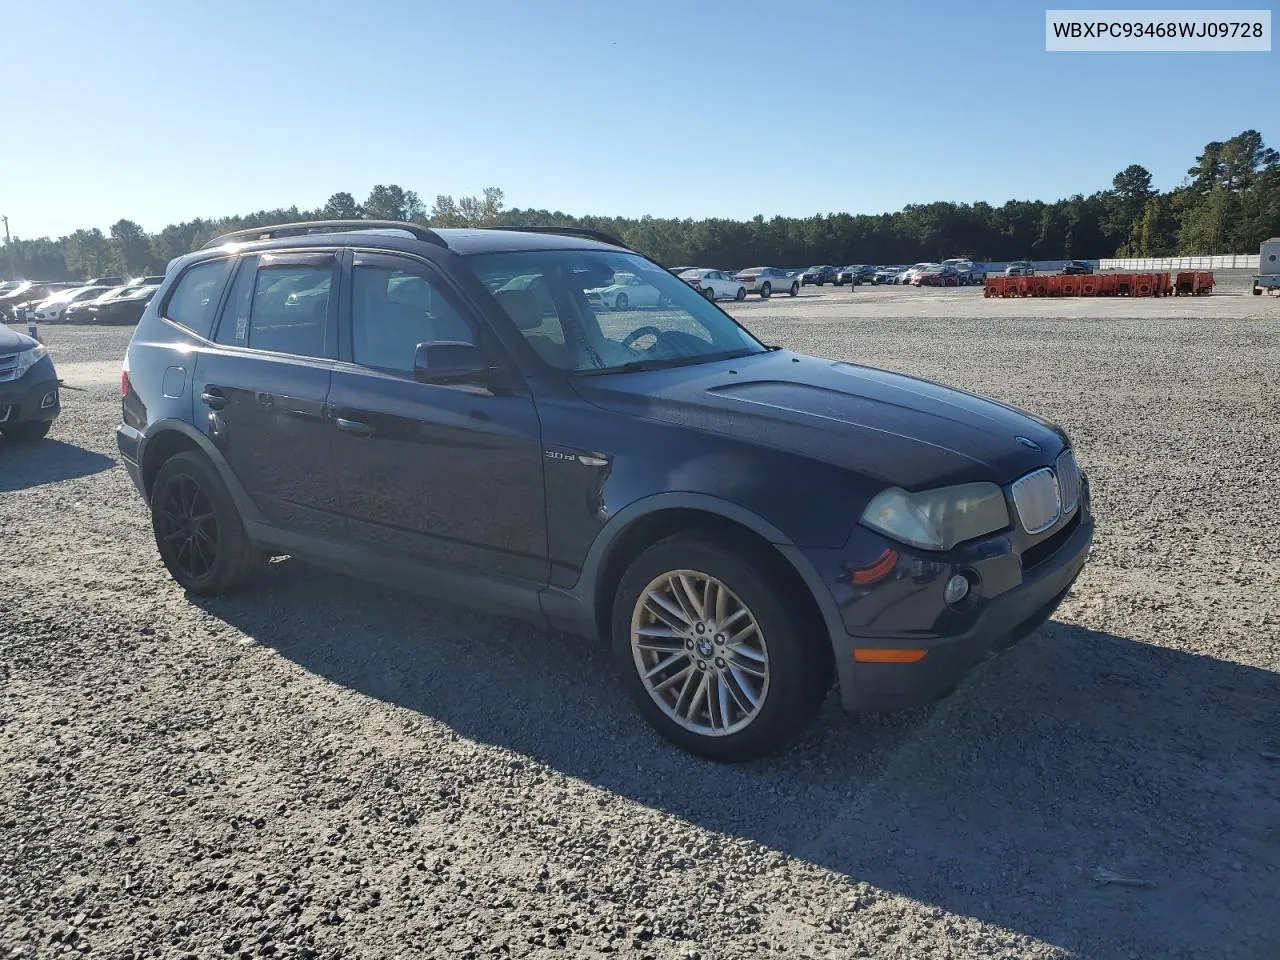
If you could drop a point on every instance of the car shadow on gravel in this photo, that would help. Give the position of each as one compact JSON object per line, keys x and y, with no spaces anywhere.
{"x":24,"y":465}
{"x":1077,"y":750}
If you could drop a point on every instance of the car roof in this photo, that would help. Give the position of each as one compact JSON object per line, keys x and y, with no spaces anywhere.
{"x":411,"y":236}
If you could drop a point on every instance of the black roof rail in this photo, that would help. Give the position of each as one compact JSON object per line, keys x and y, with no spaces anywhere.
{"x":585,"y":232}
{"x":324,"y":226}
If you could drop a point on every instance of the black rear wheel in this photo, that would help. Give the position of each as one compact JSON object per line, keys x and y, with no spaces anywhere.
{"x":198,"y":530}
{"x":766,"y":291}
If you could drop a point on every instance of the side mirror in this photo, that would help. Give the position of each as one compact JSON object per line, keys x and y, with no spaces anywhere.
{"x":447,"y":361}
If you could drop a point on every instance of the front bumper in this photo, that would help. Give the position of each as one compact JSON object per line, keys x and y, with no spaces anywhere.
{"x":905,"y":612}
{"x":31,"y":399}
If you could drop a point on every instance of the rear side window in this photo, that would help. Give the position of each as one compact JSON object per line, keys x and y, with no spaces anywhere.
{"x":194,"y":300}
{"x":281,"y":307}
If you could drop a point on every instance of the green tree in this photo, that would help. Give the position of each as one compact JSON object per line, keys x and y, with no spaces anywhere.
{"x":134,"y":247}
{"x":341,"y":206}
{"x":393,"y":202}
{"x":88,"y":252}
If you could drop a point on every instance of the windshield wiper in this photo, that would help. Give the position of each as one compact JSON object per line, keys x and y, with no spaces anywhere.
{"x":663,"y":363}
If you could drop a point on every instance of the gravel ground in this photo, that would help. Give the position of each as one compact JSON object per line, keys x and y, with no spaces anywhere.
{"x":320,"y":768}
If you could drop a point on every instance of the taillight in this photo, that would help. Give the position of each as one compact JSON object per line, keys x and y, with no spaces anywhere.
{"x":124,"y":382}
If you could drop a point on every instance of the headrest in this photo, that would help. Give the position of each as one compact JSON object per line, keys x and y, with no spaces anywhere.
{"x":523,"y":307}
{"x":412,"y":292}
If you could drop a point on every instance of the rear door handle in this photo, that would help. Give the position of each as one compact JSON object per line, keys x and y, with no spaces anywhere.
{"x":264,"y":399}
{"x":357,"y":428}
{"x":213,"y":398}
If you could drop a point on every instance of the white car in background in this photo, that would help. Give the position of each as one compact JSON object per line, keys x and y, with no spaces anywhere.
{"x":909,"y":274}
{"x":626,"y":291}
{"x":715,"y":284}
{"x":52,"y":308}
{"x":767,"y":281}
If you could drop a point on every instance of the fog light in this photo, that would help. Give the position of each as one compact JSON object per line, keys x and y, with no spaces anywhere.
{"x":48,"y":400}
{"x":957,"y":589}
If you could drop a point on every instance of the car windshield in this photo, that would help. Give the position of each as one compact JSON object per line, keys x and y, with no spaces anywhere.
{"x":569,"y":311}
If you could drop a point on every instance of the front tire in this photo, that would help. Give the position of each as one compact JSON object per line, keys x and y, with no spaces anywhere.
{"x":741,"y":294}
{"x":27,"y":432}
{"x":198,"y":529}
{"x":712,"y":651}
{"x":766,"y":291}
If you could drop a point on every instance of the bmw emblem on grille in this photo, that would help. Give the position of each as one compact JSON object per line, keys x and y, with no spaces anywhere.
{"x":1028,"y":443}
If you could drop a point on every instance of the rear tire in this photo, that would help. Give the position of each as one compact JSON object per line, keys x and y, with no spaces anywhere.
{"x":198,"y":530}
{"x":621,"y":303}
{"x":710,"y":294}
{"x":758,"y":683}
{"x":795,"y":289}
{"x":766,"y":291}
{"x":27,"y":432}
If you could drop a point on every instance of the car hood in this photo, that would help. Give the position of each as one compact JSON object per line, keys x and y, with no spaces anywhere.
{"x":13,"y":342}
{"x":900,"y":430}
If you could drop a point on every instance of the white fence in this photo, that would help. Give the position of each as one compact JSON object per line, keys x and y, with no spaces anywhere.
{"x":1226,"y":261}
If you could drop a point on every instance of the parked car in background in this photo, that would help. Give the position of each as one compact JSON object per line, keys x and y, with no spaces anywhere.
{"x":153,"y":281}
{"x":29,"y":401}
{"x":767,"y":281}
{"x":53,"y":307}
{"x":909,"y":274}
{"x":675,"y":270}
{"x":1020,"y":268}
{"x":970,"y":272}
{"x":855,"y":274}
{"x":937,"y":275}
{"x":108,"y":282}
{"x":715,"y":284}
{"x":126,"y":308}
{"x":27,"y":293}
{"x":886,"y":275}
{"x":1077,"y":267}
{"x":78,"y":312}
{"x":626,"y":291}
{"x":819,"y":275}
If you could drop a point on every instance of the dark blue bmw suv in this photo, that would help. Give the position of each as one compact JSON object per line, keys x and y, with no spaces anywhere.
{"x":452,"y":412}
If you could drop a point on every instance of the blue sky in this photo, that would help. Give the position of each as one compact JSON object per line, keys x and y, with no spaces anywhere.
{"x":165,"y":111}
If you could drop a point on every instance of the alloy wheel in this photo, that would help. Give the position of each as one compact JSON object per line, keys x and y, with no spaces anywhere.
{"x":188,"y":527}
{"x":700,"y":653}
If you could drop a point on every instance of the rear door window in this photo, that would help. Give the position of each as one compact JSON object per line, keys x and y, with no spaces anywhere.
{"x":281,"y":303}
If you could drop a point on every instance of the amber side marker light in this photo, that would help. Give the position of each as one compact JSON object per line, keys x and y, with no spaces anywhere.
{"x":878,"y":570}
{"x":890,"y":655}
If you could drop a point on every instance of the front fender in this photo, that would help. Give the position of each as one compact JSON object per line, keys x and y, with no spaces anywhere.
{"x":573,"y":609}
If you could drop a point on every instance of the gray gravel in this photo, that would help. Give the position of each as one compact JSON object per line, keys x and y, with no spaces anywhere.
{"x":320,"y":768}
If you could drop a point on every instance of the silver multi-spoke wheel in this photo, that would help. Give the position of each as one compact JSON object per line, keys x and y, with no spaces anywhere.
{"x":700,"y":653}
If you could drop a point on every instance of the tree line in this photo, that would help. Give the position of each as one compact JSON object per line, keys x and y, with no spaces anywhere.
{"x":1228,"y":203}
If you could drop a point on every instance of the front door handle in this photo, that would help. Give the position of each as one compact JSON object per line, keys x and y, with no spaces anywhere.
{"x":213,"y":398}
{"x":357,"y":428}
{"x":264,"y":399}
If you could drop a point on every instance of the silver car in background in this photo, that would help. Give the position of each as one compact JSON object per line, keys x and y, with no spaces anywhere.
{"x":766,"y":281}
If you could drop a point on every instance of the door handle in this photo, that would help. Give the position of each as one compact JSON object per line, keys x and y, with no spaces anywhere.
{"x":357,"y":428}
{"x":264,"y":399}
{"x":213,"y":398}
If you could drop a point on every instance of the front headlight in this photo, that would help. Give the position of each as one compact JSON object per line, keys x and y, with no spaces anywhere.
{"x":938,"y":519}
{"x":28,"y":359}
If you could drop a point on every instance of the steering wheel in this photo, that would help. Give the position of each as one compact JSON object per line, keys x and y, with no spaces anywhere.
{"x":639,"y":332}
